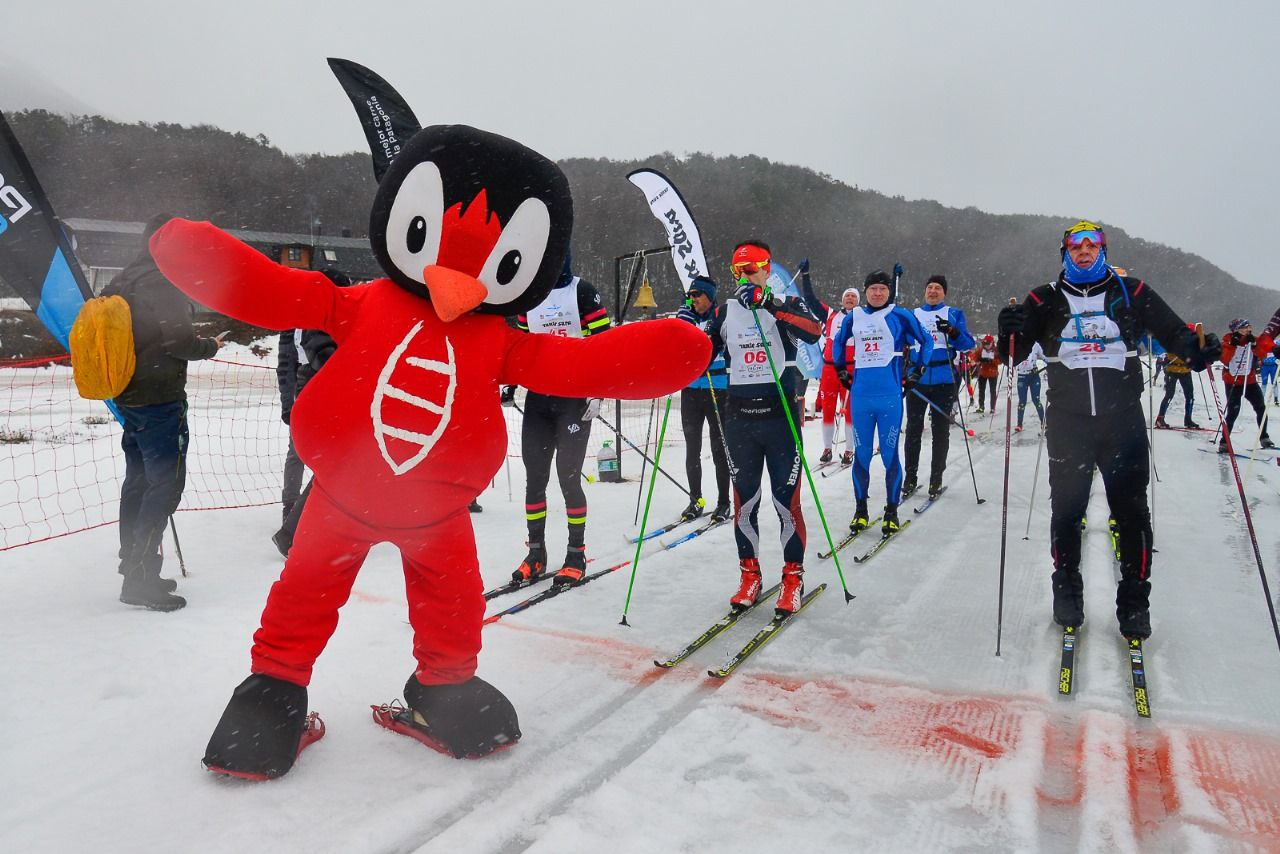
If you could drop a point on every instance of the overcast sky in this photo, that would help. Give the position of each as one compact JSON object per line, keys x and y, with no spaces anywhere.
{"x":1160,"y":117}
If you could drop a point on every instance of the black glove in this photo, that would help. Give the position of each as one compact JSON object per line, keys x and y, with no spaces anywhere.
{"x":1250,"y":338}
{"x":751,"y":296}
{"x":1206,"y":355}
{"x":913,"y":378}
{"x":945,"y":328}
{"x":846,"y":378}
{"x":508,"y":395}
{"x":1011,"y":320}
{"x":688,"y":314}
{"x":284,"y":415}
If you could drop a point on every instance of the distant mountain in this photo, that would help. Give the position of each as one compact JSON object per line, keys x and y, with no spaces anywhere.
{"x":97,"y":168}
{"x":25,"y":88}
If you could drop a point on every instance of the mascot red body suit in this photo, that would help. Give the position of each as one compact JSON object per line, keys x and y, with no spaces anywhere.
{"x":403,"y":427}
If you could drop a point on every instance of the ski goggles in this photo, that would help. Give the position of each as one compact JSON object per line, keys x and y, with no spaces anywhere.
{"x":1076,"y":239}
{"x":748,"y":268}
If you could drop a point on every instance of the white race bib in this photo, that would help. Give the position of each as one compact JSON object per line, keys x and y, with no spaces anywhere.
{"x":872,"y":341}
{"x":558,"y":313}
{"x":748,"y":361}
{"x":1090,"y":339}
{"x":1241,"y":364}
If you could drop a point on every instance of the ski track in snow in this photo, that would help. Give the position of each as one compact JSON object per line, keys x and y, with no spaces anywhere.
{"x":885,"y":724}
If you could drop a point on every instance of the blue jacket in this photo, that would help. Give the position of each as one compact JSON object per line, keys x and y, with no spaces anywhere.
{"x":885,"y":380}
{"x":938,"y":371}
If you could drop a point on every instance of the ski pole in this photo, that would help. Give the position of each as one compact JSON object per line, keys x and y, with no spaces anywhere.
{"x":648,"y":435}
{"x":632,"y":446}
{"x":795,"y":438}
{"x":963,"y":427}
{"x":1035,"y":479}
{"x":938,"y":409}
{"x":644,"y":522}
{"x":1244,"y":505}
{"x":1257,"y":442}
{"x":1004,"y":510}
{"x":177,"y":546}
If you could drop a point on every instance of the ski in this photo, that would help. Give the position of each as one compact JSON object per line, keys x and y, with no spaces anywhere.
{"x":698,"y":532}
{"x":1067,"y":672}
{"x":929,"y":501}
{"x":832,"y":471}
{"x":716,"y":629}
{"x":884,"y":541}
{"x":1265,"y":459}
{"x":1138,"y":672}
{"x":513,"y":586}
{"x":658,"y":532}
{"x":555,"y":591}
{"x":765,"y":635}
{"x":853,"y":535}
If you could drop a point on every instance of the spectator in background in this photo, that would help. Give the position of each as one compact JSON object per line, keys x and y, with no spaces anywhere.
{"x":153,"y":409}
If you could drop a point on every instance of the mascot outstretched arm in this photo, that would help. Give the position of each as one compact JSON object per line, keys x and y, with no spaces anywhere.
{"x":403,"y":427}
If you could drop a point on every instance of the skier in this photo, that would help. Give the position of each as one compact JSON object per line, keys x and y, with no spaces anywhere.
{"x":879,"y":333}
{"x":1241,"y":353}
{"x":948,"y":330}
{"x":1177,"y":373}
{"x":1088,"y":323}
{"x":559,"y":427}
{"x":756,"y":425}
{"x":832,"y":393}
{"x":1267,"y":376}
{"x":704,"y":400}
{"x":1028,"y":373}
{"x":987,"y":369}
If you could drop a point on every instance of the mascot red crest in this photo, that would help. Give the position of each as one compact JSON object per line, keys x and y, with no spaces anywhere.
{"x":403,"y":426}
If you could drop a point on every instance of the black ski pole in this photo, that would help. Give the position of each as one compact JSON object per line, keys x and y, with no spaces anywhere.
{"x":1004,"y":510}
{"x":177,"y":546}
{"x":632,"y":446}
{"x":963,"y":427}
{"x":1244,"y":503}
{"x":647,"y":436}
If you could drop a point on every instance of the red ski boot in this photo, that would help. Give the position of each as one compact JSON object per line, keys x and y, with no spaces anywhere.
{"x":749,"y":587}
{"x":792,"y":589}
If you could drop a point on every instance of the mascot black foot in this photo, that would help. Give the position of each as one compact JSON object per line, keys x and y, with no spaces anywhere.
{"x":262,"y":731}
{"x":465,"y":721}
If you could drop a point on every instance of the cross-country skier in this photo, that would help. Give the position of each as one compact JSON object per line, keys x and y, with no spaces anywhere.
{"x":704,"y":401}
{"x":1242,"y":352}
{"x":878,"y":333}
{"x":1028,"y":373}
{"x":756,"y":425}
{"x":559,"y":426}
{"x":1088,"y":322}
{"x":986,"y":363}
{"x":1267,"y":376}
{"x":833,"y":394}
{"x":947,"y":328}
{"x":1177,"y":373}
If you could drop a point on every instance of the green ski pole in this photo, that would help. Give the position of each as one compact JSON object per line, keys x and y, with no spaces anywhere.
{"x":644,"y":520}
{"x":795,"y":437}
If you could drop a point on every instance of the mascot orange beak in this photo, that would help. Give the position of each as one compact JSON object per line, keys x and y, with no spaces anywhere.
{"x":453,"y":294}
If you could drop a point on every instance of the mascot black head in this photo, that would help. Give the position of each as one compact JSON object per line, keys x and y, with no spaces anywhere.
{"x":464,"y":218}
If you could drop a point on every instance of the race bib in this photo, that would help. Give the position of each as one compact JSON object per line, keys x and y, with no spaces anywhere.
{"x":1090,"y":339}
{"x":872,"y":340}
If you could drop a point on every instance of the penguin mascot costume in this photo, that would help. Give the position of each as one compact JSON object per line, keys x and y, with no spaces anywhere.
{"x":403,"y":427}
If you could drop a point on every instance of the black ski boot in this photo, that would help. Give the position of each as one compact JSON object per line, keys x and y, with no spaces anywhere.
{"x":575,"y":567}
{"x":1135,"y":623}
{"x":1068,"y":604}
{"x":722,"y":512}
{"x":935,"y":488}
{"x":1161,"y":424}
{"x":890,"y":525}
{"x":1266,"y":442}
{"x":825,"y":457}
{"x":533,"y":565}
{"x":469,"y":720}
{"x":909,"y":486}
{"x":694,"y":510}
{"x":474,"y":507}
{"x":1191,"y":425}
{"x":860,"y":517}
{"x":150,"y":591}
{"x":262,"y":730}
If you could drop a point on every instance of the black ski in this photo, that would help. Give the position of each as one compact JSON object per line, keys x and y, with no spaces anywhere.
{"x":884,"y":541}
{"x":765,"y":635}
{"x":716,"y":629}
{"x":698,"y":532}
{"x":513,"y":586}
{"x":853,"y":535}
{"x":1067,"y":672}
{"x":1138,"y":672}
{"x":555,"y":590}
{"x":929,"y":502}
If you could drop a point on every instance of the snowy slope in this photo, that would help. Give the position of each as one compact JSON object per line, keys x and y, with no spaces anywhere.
{"x":885,"y":724}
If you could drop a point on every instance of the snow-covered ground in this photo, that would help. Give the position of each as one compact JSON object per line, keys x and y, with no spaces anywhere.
{"x":885,"y":724}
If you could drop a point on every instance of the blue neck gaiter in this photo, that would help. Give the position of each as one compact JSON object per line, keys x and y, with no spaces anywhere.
{"x":1095,"y":272}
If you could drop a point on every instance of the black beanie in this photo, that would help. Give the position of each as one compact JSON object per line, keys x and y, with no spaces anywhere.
{"x":706,"y":285}
{"x":877,"y":277}
{"x":940,"y":279}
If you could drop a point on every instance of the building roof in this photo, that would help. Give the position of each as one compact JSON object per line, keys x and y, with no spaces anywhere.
{"x":111,"y":226}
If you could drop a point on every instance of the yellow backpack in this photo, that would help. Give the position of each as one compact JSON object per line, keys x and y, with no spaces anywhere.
{"x":102,"y":356}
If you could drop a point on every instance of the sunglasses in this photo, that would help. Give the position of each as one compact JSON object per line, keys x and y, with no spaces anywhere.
{"x":1077,"y":239}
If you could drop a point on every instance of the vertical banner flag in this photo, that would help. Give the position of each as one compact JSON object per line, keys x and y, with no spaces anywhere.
{"x":682,"y":232}
{"x":35,"y":256}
